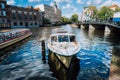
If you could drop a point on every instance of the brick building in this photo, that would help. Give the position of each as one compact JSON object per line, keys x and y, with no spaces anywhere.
{"x":24,"y":17}
{"x":14,"y":16}
{"x":3,"y":14}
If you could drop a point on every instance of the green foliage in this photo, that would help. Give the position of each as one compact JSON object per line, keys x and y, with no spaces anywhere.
{"x":74,"y":18}
{"x":65,"y":20}
{"x":105,"y":13}
{"x":46,"y":21}
{"x":94,"y":12}
{"x":117,"y":9}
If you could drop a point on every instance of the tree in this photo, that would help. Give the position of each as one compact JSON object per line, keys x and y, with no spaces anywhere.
{"x":74,"y":18}
{"x":46,"y":21}
{"x":93,"y":12}
{"x":105,"y":13}
{"x":65,"y":20}
{"x":117,"y":9}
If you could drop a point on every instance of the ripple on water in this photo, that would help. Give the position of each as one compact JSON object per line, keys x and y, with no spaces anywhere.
{"x":25,"y":62}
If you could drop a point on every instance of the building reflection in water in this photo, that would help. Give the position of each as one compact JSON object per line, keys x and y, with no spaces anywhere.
{"x":60,"y":71}
{"x":11,"y":47}
{"x":116,"y":56}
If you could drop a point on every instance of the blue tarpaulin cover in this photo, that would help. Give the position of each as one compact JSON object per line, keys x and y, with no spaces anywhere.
{"x":116,"y":19}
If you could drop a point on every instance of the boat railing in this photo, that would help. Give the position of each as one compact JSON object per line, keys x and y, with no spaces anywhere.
{"x":13,"y":34}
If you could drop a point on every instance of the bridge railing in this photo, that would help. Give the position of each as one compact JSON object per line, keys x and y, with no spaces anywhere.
{"x":99,"y":22}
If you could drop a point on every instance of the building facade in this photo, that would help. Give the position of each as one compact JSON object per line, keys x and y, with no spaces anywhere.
{"x":3,"y":14}
{"x":15,"y":17}
{"x":23,"y":17}
{"x":113,"y":7}
{"x":51,"y":12}
{"x":116,"y":17}
{"x":87,"y":14}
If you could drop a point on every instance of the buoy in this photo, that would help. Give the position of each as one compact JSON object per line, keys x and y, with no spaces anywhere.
{"x":43,"y":51}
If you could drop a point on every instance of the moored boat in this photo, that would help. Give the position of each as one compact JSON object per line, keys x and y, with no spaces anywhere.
{"x":13,"y":36}
{"x":64,"y":45}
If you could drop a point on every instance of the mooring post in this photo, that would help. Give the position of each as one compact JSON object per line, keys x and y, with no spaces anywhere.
{"x":43,"y":51}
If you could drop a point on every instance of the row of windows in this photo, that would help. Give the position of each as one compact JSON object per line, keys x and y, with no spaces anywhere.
{"x":3,"y":20}
{"x":2,"y":13}
{"x":21,"y":23}
{"x":2,"y":5}
{"x":20,"y":17}
{"x":4,"y":25}
{"x":14,"y":11}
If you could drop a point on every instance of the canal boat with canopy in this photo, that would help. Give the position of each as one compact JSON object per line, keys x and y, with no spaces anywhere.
{"x":13,"y":36}
{"x":63,"y":45}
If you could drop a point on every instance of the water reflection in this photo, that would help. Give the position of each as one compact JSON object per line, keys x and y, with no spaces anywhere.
{"x":113,"y":38}
{"x":95,"y":33}
{"x":60,"y":71}
{"x":116,"y":55}
{"x":7,"y":51}
{"x":24,"y":61}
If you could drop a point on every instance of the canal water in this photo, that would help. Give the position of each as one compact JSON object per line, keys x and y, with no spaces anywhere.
{"x":24,"y":61}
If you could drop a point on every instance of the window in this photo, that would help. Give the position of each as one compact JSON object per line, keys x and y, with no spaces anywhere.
{"x":0,"y":13}
{"x":15,"y":23}
{"x":72,"y":38}
{"x":35,"y":23}
{"x":21,"y":23}
{"x":25,"y":16}
{"x":31,"y":23}
{"x":5,"y":20}
{"x":19,"y":16}
{"x":13,"y":15}
{"x":13,"y":11}
{"x":35,"y":17}
{"x":26,"y":23}
{"x":30,"y":17}
{"x":1,"y":20}
{"x":2,"y":5}
{"x":63,"y":38}
{"x":54,"y":39}
{"x":4,"y":13}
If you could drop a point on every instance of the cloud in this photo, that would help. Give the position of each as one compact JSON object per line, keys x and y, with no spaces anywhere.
{"x":60,"y":1}
{"x":10,"y":2}
{"x":68,"y":15}
{"x":97,"y":2}
{"x":52,"y":3}
{"x":68,"y":6}
{"x":109,"y":2}
{"x":34,"y":0}
{"x":94,"y":2}
{"x":89,"y":2}
{"x":80,"y":2}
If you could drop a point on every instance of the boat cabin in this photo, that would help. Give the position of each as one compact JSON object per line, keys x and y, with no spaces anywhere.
{"x":59,"y":30}
{"x":62,"y":38}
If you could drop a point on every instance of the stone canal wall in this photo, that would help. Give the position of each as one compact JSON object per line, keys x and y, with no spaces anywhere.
{"x":12,"y":36}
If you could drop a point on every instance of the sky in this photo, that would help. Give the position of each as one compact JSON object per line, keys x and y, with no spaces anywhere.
{"x":68,"y":7}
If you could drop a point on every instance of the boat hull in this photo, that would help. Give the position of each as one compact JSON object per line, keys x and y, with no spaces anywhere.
{"x":59,"y":69}
{"x":65,"y":60}
{"x":13,"y":41}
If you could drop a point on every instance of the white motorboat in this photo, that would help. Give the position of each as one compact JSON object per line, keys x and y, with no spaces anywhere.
{"x":63,"y":45}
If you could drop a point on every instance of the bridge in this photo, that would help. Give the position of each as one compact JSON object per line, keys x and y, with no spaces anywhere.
{"x":100,"y":26}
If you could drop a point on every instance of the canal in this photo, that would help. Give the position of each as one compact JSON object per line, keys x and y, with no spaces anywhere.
{"x":23,"y":61}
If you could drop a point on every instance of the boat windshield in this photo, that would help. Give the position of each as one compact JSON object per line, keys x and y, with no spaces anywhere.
{"x":63,"y":38}
{"x":54,"y":39}
{"x":72,"y":38}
